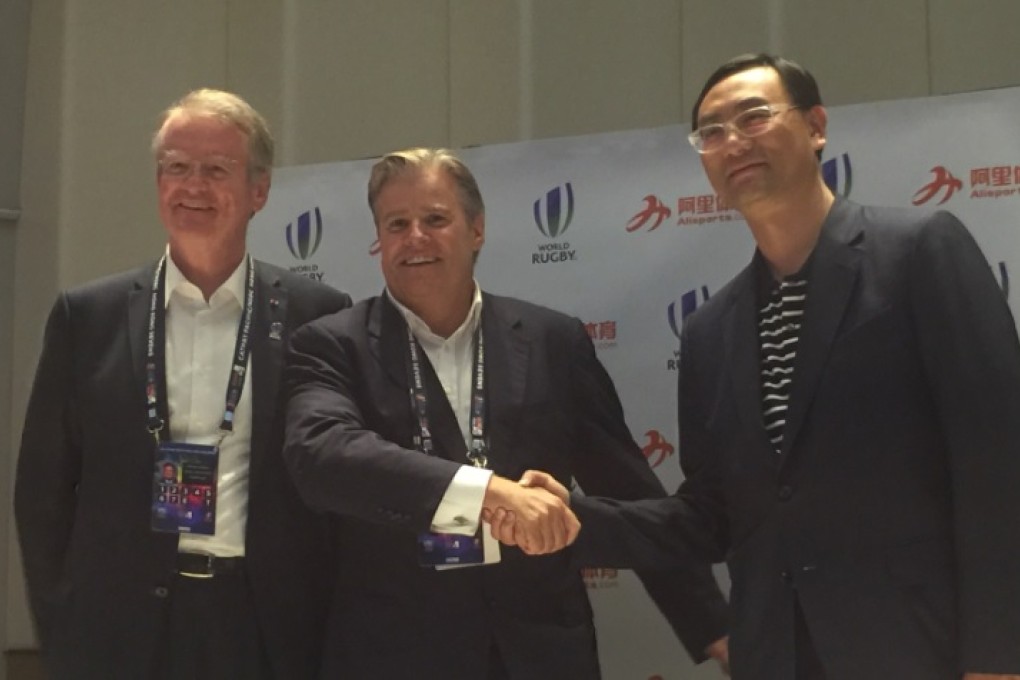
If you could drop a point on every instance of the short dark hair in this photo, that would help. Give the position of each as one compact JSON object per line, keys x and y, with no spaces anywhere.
{"x":798,"y":83}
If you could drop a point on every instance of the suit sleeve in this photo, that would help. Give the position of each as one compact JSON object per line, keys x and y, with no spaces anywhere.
{"x":48,"y":471}
{"x":609,"y":463}
{"x":971,"y":354}
{"x":339,"y":459}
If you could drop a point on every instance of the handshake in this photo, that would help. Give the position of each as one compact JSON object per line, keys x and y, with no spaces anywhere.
{"x":533,"y":514}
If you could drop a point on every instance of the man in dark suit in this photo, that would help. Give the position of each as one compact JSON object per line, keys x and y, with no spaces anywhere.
{"x":161,"y":535}
{"x":408,"y":417}
{"x":848,"y":419}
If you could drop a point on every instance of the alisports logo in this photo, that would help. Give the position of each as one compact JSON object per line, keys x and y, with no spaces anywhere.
{"x":676,"y":312}
{"x":838,"y":175}
{"x":992,"y":181}
{"x":304,"y":236}
{"x":553,"y":214}
{"x":943,"y":185}
{"x":657,"y":448}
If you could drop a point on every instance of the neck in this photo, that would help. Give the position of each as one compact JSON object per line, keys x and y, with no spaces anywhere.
{"x":786,"y":230}
{"x":443,"y":315}
{"x":207,"y":267}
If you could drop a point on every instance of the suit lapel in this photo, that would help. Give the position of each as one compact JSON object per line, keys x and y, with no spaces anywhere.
{"x":387,"y":340}
{"x":832,"y":276}
{"x":742,"y":352}
{"x":139,"y":301}
{"x":269,"y":334}
{"x":506,"y":369}
{"x":387,"y":333}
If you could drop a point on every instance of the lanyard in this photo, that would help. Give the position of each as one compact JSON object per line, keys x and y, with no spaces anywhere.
{"x":155,"y":364}
{"x":419,"y":402}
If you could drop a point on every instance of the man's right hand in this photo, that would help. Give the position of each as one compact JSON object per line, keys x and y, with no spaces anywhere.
{"x":536,"y":519}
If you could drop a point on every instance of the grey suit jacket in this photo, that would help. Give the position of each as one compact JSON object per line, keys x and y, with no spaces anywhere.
{"x":889,"y":514}
{"x":99,"y":579}
{"x":550,"y":406}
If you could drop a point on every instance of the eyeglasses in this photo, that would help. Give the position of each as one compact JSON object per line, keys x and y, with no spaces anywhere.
{"x":750,"y":123}
{"x":178,"y":165}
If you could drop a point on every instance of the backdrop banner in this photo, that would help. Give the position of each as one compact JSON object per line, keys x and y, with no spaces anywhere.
{"x":623,"y":231}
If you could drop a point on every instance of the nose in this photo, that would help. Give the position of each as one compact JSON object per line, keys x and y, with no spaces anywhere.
{"x":416,"y":230}
{"x":730,"y":133}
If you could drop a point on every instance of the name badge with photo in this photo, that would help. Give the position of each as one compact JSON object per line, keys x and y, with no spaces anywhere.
{"x":184,"y":488}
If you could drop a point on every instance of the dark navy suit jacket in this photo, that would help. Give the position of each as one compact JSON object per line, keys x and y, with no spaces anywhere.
{"x":890,"y":512}
{"x":99,"y":579}
{"x":550,"y":406}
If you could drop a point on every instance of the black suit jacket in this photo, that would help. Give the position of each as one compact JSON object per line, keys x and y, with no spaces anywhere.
{"x":890,"y":512}
{"x":99,"y":579}
{"x":550,"y":406}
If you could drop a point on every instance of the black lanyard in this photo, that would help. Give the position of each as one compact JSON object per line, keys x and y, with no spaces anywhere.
{"x":155,"y":365}
{"x":419,"y":402}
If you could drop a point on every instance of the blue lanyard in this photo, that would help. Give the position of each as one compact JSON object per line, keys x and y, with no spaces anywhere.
{"x":155,"y":364}
{"x":419,"y":401}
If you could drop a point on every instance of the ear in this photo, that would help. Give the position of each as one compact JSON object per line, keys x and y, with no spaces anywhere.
{"x":817,"y":120}
{"x":477,"y":228}
{"x":260,"y":190}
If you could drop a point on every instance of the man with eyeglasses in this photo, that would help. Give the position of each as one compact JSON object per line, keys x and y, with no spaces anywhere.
{"x":150,"y":487}
{"x":848,"y":420}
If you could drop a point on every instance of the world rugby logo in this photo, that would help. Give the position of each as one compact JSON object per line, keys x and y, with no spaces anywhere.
{"x":304,"y":240}
{"x":688,"y":303}
{"x":555,"y":210}
{"x":839,"y":183}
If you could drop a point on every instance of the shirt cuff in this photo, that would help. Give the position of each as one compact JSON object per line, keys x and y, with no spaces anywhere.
{"x":461,"y":508}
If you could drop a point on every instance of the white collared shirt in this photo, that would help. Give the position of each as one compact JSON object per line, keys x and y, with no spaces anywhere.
{"x":453,"y":360}
{"x":200,"y":339}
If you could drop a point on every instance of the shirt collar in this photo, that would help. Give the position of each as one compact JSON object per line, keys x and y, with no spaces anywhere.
{"x":178,"y":284}
{"x":765,"y":282}
{"x":424,"y":334}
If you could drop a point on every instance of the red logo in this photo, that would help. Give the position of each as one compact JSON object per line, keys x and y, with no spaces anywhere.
{"x":601,"y":330}
{"x":600,"y":577}
{"x":657,"y":449}
{"x":689,"y":211}
{"x":944,"y":180}
{"x":654,"y":209}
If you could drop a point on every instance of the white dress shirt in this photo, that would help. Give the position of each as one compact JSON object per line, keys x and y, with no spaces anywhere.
{"x":453,"y":360}
{"x":200,"y":339}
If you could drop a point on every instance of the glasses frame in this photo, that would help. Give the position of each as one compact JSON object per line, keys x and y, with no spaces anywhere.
{"x":696,"y":138}
{"x":211,"y":168}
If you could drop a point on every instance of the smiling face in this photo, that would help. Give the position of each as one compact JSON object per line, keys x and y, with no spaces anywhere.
{"x":781,"y":162}
{"x":206,"y":193}
{"x":427,"y":244}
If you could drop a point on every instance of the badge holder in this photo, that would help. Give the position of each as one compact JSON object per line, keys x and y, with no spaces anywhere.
{"x":184,"y":488}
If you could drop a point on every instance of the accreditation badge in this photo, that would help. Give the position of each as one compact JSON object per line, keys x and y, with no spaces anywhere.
{"x":184,"y":488}
{"x":449,"y":551}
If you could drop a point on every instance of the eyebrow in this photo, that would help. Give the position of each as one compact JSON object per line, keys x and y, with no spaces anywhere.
{"x":741,"y":105}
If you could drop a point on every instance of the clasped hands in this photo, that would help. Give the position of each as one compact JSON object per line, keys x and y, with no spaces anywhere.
{"x":533,"y":514}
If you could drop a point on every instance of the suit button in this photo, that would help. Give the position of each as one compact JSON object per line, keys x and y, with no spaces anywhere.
{"x":785,"y":492}
{"x":161,"y":591}
{"x":786,"y":576}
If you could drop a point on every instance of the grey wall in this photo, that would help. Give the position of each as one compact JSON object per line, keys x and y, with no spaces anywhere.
{"x":346,"y":79}
{"x":14,"y":16}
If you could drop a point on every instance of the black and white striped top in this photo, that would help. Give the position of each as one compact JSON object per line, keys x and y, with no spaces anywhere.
{"x":778,"y":332}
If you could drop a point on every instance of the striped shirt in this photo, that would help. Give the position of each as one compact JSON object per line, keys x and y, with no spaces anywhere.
{"x":778,"y":332}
